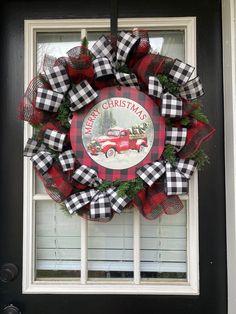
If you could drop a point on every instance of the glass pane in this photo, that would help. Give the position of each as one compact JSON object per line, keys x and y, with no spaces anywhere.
{"x":57,"y":241}
{"x":168,"y":43}
{"x":164,"y":246}
{"x":55,"y":44}
{"x":110,"y":248}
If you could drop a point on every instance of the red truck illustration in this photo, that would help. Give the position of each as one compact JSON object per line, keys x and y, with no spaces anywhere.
{"x":118,"y":140}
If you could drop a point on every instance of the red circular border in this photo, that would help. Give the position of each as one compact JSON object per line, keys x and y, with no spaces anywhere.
{"x":158,"y":124}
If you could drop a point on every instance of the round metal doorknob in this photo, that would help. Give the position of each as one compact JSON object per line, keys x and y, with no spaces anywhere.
{"x":11,"y":309}
{"x":8,"y":272}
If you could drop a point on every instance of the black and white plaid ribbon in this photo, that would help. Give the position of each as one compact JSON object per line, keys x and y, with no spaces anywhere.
{"x":155,"y":87}
{"x":125,"y":43}
{"x":180,"y":72}
{"x":86,"y":176}
{"x":102,"y":68}
{"x":151,"y":172}
{"x":81,"y":95}
{"x":192,"y":89}
{"x":58,"y":78}
{"x":176,"y":137}
{"x":171,"y":106}
{"x":32,"y":147}
{"x":126,"y":79}
{"x":176,"y":177}
{"x":101,"y":203}
{"x":78,"y":200}
{"x":54,"y":139}
{"x":103,"y":48}
{"x":42,"y":161}
{"x":48,"y":100}
{"x":67,"y":160}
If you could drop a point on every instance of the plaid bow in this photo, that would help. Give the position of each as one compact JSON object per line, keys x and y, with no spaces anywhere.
{"x":176,"y":137}
{"x":58,"y":78}
{"x":125,"y":43}
{"x":55,"y":140}
{"x":126,"y":79}
{"x":102,"y":68}
{"x":67,"y":160}
{"x":172,"y":106}
{"x":32,"y":147}
{"x":180,"y":72}
{"x":81,"y":95}
{"x":86,"y":176}
{"x":42,"y":161}
{"x":101,"y":203}
{"x":48,"y":100}
{"x":176,"y":180}
{"x":192,"y":90}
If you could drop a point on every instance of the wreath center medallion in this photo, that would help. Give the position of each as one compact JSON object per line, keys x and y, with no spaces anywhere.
{"x":118,"y":133}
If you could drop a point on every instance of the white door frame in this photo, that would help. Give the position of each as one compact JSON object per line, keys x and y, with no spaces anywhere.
{"x":229,"y":75}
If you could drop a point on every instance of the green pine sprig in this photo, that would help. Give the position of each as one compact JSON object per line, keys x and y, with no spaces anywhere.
{"x":64,"y":113}
{"x":201,"y":159}
{"x":199,"y":115}
{"x":167,"y":85}
{"x":169,"y":154}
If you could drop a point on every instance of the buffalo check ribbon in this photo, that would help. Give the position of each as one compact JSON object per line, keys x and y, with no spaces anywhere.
{"x":107,"y":59}
{"x":42,"y":161}
{"x":81,"y":95}
{"x":176,"y":177}
{"x":67,"y":160}
{"x":180,"y":73}
{"x":176,"y":137}
{"x":101,"y":203}
{"x":86,"y":176}
{"x":32,"y":147}
{"x":54,"y":139}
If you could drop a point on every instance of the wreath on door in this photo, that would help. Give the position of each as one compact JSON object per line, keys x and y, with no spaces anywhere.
{"x":116,"y":125}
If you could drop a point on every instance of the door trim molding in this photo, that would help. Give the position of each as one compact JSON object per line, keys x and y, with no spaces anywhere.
{"x":229,"y":80}
{"x":29,"y":284}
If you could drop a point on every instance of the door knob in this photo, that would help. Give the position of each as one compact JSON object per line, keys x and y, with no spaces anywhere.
{"x":11,"y":309}
{"x":8,"y":272}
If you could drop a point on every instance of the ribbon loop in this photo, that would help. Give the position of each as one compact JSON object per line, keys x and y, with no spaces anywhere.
{"x":58,"y":78}
{"x":103,"y":48}
{"x":78,"y":200}
{"x":192,"y":89}
{"x":186,"y":167}
{"x":126,"y":79}
{"x":100,"y":206}
{"x":117,"y":202}
{"x":81,"y":95}
{"x":86,"y":176}
{"x":55,"y":140}
{"x":171,"y":106}
{"x":42,"y":161}
{"x":151,"y":172}
{"x":176,"y":183}
{"x":67,"y":160}
{"x":154,"y":87}
{"x":176,"y":137}
{"x":48,"y":100}
{"x":32,"y":147}
{"x":125,"y":43}
{"x":180,"y":72}
{"x":102,"y":68}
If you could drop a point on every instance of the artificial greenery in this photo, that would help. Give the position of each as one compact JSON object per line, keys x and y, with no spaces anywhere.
{"x":169,"y":154}
{"x":185,"y":121}
{"x":167,"y":85}
{"x":129,"y":188}
{"x":199,"y":115}
{"x":122,"y":68}
{"x":201,"y":158}
{"x":64,"y":113}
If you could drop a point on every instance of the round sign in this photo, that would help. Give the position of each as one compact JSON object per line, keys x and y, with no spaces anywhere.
{"x":118,"y":133}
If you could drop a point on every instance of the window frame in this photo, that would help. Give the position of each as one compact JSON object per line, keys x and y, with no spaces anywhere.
{"x":74,"y":286}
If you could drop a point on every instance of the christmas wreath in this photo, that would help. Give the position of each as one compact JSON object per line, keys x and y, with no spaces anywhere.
{"x":114,"y":126}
